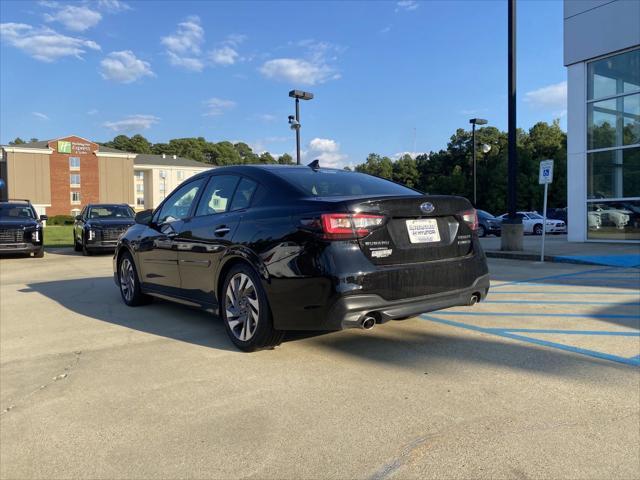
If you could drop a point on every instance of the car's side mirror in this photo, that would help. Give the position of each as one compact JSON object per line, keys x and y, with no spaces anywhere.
{"x":44,"y":218}
{"x":144,"y":217}
{"x":78,"y":217}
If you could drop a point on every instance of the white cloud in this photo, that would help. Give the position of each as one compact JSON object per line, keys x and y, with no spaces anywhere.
{"x":43,"y":43}
{"x":298,"y":71}
{"x":224,"y":55}
{"x":266,"y":117}
{"x":187,"y":39}
{"x":41,"y":116}
{"x":407,"y":5}
{"x":190,"y":63}
{"x":327,"y":151}
{"x":93,"y":111}
{"x":549,"y":97}
{"x":77,"y":18}
{"x":218,"y":106}
{"x":132,"y":123}
{"x":124,"y":67}
{"x":113,"y":6}
{"x":399,"y":155}
{"x":386,"y":29}
{"x":316,"y":66}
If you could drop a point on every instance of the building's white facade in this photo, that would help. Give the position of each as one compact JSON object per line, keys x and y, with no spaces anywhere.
{"x":153,"y":182}
{"x":602,"y":55}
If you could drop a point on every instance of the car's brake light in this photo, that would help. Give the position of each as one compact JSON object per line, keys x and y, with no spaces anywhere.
{"x":346,"y":225}
{"x":471,"y":218}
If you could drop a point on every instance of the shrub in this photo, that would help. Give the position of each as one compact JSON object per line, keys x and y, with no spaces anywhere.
{"x":61,"y":220}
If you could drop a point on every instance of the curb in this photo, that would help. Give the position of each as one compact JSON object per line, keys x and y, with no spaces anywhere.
{"x":535,"y":257}
{"x":531,"y":257}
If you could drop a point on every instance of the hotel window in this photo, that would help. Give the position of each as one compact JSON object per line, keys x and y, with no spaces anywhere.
{"x":180,"y":174}
{"x":75,"y":212}
{"x":613,"y":147}
{"x":140,"y":201}
{"x":74,"y":179}
{"x":139,"y":188}
{"x":139,"y":174}
{"x":74,"y":163}
{"x":75,"y":197}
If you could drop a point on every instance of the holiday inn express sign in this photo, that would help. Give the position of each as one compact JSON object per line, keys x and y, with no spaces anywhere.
{"x":73,"y":147}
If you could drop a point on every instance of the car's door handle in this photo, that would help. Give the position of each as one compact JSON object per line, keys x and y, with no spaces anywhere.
{"x":222,"y":230}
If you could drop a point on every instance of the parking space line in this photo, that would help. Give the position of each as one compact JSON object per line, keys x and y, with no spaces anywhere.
{"x":566,"y":332}
{"x":634,"y":361}
{"x":555,"y":277}
{"x":533,"y":292}
{"x":558,"y":302}
{"x":555,"y":315}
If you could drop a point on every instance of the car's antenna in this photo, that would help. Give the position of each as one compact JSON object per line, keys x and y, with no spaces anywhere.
{"x":315,"y":165}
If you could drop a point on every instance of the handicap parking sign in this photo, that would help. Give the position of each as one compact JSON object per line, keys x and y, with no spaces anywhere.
{"x":546,"y":172}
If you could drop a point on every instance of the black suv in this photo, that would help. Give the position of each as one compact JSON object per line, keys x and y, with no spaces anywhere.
{"x":99,"y":226}
{"x":21,"y":228}
{"x":276,"y":248}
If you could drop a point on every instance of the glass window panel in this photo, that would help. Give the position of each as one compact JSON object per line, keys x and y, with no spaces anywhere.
{"x":614,"y":75}
{"x":244,"y":192}
{"x":613,"y":174}
{"x":216,"y":198}
{"x":617,"y":220}
{"x":178,"y":205}
{"x":602,"y":118}
{"x":631,"y":119}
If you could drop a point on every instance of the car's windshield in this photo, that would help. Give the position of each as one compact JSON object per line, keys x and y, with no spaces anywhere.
{"x":339,"y":183}
{"x":16,"y":211}
{"x":110,"y":211}
{"x":535,"y":215}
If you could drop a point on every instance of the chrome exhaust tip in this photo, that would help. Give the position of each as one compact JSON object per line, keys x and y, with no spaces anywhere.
{"x":367,"y":322}
{"x":475,"y":298}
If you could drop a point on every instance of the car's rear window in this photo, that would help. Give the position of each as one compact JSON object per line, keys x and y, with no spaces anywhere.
{"x":340,"y":183}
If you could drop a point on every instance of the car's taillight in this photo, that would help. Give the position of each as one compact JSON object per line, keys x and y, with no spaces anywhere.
{"x":471,"y":218}
{"x":340,"y":226}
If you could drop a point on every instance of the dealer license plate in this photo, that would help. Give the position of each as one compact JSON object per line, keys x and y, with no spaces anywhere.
{"x":423,"y":230}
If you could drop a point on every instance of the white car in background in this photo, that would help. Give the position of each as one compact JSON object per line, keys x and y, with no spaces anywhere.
{"x":594,"y":221}
{"x":532,"y":223}
{"x":613,"y":216}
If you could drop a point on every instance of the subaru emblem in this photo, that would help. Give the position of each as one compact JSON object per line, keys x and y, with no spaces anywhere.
{"x":427,"y":207}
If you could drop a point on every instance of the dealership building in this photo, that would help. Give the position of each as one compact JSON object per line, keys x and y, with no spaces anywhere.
{"x":60,"y":176}
{"x":602,"y":55}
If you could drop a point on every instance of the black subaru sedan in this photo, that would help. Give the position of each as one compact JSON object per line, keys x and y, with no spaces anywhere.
{"x":99,"y":226}
{"x":21,"y":229}
{"x":273,"y":248}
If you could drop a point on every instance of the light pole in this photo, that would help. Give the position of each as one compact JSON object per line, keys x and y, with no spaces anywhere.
{"x":474,"y":122}
{"x":295,"y":122}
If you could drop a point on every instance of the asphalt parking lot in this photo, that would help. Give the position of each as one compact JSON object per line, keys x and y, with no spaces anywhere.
{"x":540,"y":381}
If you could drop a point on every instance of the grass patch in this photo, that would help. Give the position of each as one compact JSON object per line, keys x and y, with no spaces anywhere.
{"x":58,"y":236}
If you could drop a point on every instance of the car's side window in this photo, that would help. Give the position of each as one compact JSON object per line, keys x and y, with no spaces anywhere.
{"x":244,"y":192}
{"x":217,"y":196}
{"x":179,"y":203}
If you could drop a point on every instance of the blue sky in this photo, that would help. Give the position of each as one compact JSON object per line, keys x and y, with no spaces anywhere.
{"x":383,"y":73}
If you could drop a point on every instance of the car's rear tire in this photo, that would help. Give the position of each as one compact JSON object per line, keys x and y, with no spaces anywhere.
{"x":129,"y":283}
{"x":245,"y":311}
{"x":481,"y":231}
{"x":537,"y":229}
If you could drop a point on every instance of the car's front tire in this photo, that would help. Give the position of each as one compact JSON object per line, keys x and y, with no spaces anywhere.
{"x":481,"y":231}
{"x":245,"y":311}
{"x":39,"y":253}
{"x":537,"y":229}
{"x":128,"y":281}
{"x":76,"y":246}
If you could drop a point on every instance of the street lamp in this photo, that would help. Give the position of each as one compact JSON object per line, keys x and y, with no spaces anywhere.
{"x":474,"y":122}
{"x":295,"y":122}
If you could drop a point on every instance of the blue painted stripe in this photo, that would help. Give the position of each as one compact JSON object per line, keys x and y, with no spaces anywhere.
{"x":555,"y":315}
{"x":554,"y":277}
{"x":568,"y":302}
{"x":636,"y":358}
{"x":631,"y":286}
{"x":566,"y":332}
{"x":560,"y":292}
{"x":544,"y":343}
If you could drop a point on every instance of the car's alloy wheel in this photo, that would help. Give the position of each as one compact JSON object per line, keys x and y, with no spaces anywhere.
{"x":481,"y":231}
{"x":127,"y":279}
{"x":245,"y":311}
{"x":242,"y":307}
{"x":537,"y":229}
{"x":129,"y":285}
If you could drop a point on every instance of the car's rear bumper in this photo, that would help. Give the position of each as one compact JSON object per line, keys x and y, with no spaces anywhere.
{"x":348,"y":311}
{"x":19,"y":247}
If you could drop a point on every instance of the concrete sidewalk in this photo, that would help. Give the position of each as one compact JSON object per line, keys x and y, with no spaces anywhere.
{"x":558,"y":249}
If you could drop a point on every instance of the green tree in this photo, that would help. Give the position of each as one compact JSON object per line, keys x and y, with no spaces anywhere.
{"x":377,"y":165}
{"x":17,"y":141}
{"x":405,"y":171}
{"x":266,"y":157}
{"x":285,"y":159}
{"x":139,"y":144}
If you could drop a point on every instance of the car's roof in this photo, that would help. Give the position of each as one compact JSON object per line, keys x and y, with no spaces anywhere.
{"x":107,"y":205}
{"x":16,"y":203}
